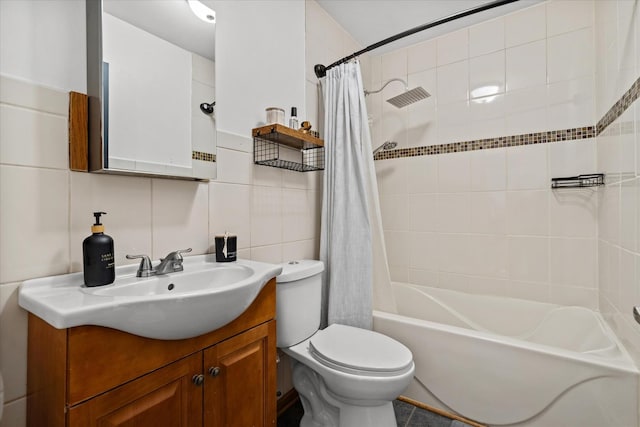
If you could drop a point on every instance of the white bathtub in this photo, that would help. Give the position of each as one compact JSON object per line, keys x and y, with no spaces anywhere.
{"x":505,"y":361}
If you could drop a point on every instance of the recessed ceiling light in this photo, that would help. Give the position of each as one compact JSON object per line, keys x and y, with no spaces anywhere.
{"x":202,"y":11}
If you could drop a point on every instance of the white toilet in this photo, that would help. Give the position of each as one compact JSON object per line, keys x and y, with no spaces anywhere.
{"x":345,"y":376}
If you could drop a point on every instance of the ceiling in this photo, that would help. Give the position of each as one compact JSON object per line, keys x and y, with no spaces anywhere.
{"x":370,"y":21}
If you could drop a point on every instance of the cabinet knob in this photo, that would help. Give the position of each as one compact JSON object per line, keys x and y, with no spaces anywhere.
{"x":214,"y":372}
{"x":198,"y":379}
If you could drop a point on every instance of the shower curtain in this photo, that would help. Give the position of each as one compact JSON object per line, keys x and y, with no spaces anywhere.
{"x":351,"y":239}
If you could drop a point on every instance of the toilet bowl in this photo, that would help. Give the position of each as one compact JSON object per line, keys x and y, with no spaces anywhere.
{"x":345,"y":376}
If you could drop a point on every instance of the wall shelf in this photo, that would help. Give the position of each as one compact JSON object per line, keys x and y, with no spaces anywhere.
{"x":591,"y":180}
{"x":278,"y":146}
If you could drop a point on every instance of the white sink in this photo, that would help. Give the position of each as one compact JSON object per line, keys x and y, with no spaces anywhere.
{"x":204,"y":297}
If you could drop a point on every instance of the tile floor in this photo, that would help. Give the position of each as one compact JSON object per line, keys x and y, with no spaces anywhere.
{"x":407,"y":415}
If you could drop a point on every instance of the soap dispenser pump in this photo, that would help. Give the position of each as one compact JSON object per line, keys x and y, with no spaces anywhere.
{"x":98,"y":256}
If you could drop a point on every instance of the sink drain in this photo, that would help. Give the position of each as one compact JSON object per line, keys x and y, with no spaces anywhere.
{"x":171,"y":286}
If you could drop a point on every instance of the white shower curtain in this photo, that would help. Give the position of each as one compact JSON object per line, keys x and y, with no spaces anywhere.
{"x":351,"y":231}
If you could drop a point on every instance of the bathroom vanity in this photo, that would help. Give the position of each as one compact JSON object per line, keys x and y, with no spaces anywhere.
{"x":95,"y":376}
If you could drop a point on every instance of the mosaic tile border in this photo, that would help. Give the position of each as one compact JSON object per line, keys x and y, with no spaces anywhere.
{"x":619,"y":107}
{"x":484,"y":144}
{"x":201,"y":155}
{"x":525,"y":139}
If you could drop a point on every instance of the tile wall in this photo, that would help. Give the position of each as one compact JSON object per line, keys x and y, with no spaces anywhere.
{"x":46,"y":209}
{"x":486,"y":220}
{"x":617,"y":28}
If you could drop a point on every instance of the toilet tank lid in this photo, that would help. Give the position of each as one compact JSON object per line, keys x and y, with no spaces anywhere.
{"x":300,"y":269}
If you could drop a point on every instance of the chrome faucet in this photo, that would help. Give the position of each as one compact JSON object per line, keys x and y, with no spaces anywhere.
{"x":169,"y":264}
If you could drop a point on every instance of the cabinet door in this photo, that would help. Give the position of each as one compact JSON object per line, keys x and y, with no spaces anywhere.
{"x":240,"y":385}
{"x":167,"y":397}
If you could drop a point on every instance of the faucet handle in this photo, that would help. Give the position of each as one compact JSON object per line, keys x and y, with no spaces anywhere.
{"x":145,"y":269}
{"x":177,"y":255}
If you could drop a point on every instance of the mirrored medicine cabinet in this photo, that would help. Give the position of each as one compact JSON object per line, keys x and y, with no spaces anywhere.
{"x":151,"y":89}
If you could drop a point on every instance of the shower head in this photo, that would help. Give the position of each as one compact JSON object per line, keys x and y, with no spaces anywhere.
{"x":409,"y":97}
{"x":388,"y":145}
{"x":406,"y":98}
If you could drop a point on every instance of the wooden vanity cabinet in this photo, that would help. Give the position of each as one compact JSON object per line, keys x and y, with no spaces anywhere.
{"x":93,"y":376}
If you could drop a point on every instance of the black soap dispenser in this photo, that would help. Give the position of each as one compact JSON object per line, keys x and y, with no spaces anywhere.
{"x":98,"y":257}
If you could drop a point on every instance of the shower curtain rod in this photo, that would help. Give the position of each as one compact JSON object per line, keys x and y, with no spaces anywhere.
{"x":321,"y":70}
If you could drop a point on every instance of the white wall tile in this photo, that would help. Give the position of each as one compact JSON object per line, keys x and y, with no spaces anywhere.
{"x":488,"y":169}
{"x":488,"y":255}
{"x":234,"y":167}
{"x":266,"y":216}
{"x":395,"y":211}
{"x":453,"y":47}
{"x":454,"y":172}
{"x":127,"y":201}
{"x":33,"y":138}
{"x":526,"y":25}
{"x":571,"y":295}
{"x":528,"y":213}
{"x":527,"y":167}
{"x":453,"y":281}
{"x":422,"y":251}
{"x":299,"y":213}
{"x":487,"y":75}
{"x":35,"y":213}
{"x":230,"y":210}
{"x":422,"y":126}
{"x":487,"y":37}
{"x":180,"y":216}
{"x":629,"y":214}
{"x":421,"y":56}
{"x":422,"y":212}
{"x":303,"y":249}
{"x":528,"y":259}
{"x":453,"y":122}
{"x":392,"y":175}
{"x":267,"y":176}
{"x":571,"y":104}
{"x":528,"y":290}
{"x":422,"y":174}
{"x":573,"y":213}
{"x":397,"y":243}
{"x":394,"y":121}
{"x":13,"y":351}
{"x":573,"y":262}
{"x":453,"y":82}
{"x":454,"y":213}
{"x":568,"y":15}
{"x":526,"y":65}
{"x":28,"y":95}
{"x":489,"y":212}
{"x":570,"y":55}
{"x":488,"y":286}
{"x":423,"y":277}
{"x":453,"y":253}
{"x":572,"y":158}
{"x":394,"y":65}
{"x":528,"y":121}
{"x":271,"y":254}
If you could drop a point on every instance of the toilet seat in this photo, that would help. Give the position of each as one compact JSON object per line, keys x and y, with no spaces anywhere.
{"x":360,"y":351}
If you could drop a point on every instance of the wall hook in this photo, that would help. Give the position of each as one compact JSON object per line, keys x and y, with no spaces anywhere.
{"x":207,"y":108}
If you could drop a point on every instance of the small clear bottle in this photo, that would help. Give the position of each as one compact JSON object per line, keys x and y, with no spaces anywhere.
{"x":293,"y":121}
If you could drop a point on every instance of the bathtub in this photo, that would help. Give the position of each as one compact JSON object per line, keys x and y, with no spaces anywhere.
{"x":509,"y":362}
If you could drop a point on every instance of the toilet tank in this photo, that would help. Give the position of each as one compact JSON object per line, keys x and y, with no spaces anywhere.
{"x":298,"y":301}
